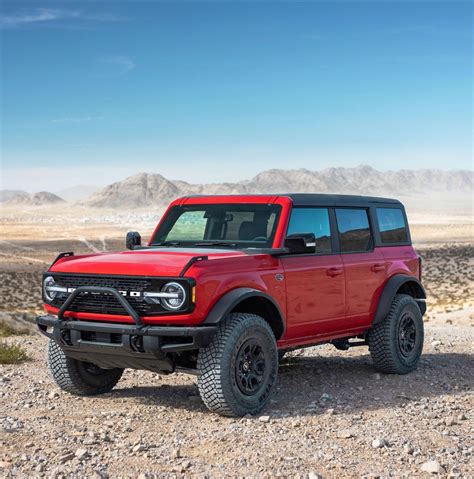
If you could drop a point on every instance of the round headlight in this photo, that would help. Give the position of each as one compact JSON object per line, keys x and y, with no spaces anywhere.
{"x":175,"y":296}
{"x":48,"y":283}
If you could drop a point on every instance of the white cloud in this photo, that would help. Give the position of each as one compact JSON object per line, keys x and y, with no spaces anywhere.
{"x":52,"y":17}
{"x":39,"y":16}
{"x":77,"y":119}
{"x":123,"y":63}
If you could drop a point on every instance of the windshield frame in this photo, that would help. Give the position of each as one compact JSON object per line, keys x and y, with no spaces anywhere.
{"x":175,"y":210}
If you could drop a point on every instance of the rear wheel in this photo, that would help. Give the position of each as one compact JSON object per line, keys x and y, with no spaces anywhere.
{"x":79,"y":377}
{"x":396,"y":343}
{"x":238,"y":370}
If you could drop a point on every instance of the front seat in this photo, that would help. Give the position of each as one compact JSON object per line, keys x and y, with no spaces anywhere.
{"x":249,"y":230}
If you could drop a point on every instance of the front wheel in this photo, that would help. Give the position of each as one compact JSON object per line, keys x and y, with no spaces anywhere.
{"x":79,"y":377}
{"x":238,"y":370}
{"x":396,"y":343}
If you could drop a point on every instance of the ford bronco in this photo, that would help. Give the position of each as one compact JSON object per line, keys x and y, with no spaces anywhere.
{"x":227,"y":284}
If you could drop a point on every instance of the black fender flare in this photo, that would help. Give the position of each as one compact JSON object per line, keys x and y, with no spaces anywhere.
{"x":390,"y":290}
{"x":232,"y":298}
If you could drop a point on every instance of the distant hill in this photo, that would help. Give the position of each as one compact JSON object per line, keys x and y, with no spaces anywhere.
{"x":421,"y":189}
{"x":7,"y":195}
{"x":41,"y":198}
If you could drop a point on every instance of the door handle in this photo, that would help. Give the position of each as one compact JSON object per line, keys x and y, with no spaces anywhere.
{"x":377,"y":267}
{"x":334,"y":271}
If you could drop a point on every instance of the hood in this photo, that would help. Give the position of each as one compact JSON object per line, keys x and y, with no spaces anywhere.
{"x":146,"y":262}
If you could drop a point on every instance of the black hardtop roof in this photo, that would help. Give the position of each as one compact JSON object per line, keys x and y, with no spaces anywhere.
{"x":308,"y":199}
{"x":321,"y":199}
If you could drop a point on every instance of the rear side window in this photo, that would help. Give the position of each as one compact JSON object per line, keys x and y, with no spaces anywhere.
{"x":354,"y":230}
{"x":392,"y":225}
{"x":312,"y":220}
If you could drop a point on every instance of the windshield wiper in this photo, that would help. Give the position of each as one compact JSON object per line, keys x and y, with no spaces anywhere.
{"x":216,"y":243}
{"x":167,"y":243}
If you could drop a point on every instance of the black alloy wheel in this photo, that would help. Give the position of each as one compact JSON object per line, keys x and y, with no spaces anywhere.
{"x":251,"y":366}
{"x":407,"y":335}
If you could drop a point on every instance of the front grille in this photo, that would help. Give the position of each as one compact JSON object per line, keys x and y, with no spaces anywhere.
{"x":103,"y":303}
{"x":120,"y":284}
{"x":107,"y":304}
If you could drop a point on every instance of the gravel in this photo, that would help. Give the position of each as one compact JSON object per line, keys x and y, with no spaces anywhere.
{"x":329,"y":417}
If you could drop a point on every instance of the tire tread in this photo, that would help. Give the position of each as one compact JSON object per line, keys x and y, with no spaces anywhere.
{"x":210,"y":379}
{"x":67,"y":375}
{"x":381,"y":340}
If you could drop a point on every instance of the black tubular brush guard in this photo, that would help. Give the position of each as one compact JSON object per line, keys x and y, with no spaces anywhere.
{"x":118,"y":344}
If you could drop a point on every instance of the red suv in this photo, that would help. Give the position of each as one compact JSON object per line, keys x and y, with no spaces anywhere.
{"x":228,"y":284}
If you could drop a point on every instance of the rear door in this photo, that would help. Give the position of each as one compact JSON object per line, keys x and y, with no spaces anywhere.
{"x":364,"y":265}
{"x":315,"y":286}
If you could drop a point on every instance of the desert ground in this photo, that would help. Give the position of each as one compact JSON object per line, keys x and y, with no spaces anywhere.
{"x":332,"y":415}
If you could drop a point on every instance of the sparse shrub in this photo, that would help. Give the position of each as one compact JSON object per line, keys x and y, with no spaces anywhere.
{"x":7,"y":329}
{"x":12,"y":353}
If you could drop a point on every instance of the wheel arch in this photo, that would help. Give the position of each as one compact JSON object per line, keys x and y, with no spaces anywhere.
{"x":249,"y":300}
{"x":400,"y":284}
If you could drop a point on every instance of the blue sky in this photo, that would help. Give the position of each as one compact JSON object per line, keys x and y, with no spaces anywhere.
{"x":93,"y":92}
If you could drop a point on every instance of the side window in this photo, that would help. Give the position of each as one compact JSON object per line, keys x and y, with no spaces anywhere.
{"x":392,"y":226}
{"x":354,"y":230}
{"x":312,"y":220}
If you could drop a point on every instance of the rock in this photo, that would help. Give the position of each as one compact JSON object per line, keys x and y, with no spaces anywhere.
{"x":436,"y":343}
{"x":100,"y":474}
{"x":345,"y":434}
{"x":139,"y":448}
{"x":264,"y":418}
{"x":176,"y":454}
{"x":432,"y":467}
{"x":462,"y":417}
{"x":330,"y":412}
{"x":325,"y":397}
{"x":450,"y":421}
{"x":408,"y":449}
{"x":313,"y":475}
{"x":186,"y":464}
{"x":66,"y":457}
{"x":379,"y":442}
{"x":81,"y":453}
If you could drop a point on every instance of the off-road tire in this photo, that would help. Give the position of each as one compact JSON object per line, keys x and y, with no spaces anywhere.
{"x":220,"y":366}
{"x":78,"y":377}
{"x":386,"y":339}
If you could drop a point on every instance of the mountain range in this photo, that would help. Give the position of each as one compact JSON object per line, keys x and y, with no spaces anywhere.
{"x":415,"y":186}
{"x":18,"y":197}
{"x":426,"y":189}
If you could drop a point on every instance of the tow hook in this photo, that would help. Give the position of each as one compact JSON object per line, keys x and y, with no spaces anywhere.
{"x":136,"y":343}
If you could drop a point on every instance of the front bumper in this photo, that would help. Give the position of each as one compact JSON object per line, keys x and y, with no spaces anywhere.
{"x":123,"y":345}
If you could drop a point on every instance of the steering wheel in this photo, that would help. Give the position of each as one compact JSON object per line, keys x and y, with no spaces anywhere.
{"x":260,"y":238}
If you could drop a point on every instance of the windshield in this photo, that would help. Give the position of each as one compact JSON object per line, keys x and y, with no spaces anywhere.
{"x":219,"y":225}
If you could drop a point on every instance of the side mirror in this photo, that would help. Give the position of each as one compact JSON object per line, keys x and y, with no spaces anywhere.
{"x":301,"y":243}
{"x":133,"y":239}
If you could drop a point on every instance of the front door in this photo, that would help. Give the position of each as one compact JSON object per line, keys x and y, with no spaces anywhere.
{"x":315,"y":286}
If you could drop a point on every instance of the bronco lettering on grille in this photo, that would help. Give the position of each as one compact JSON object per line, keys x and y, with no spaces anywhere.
{"x":133,"y":294}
